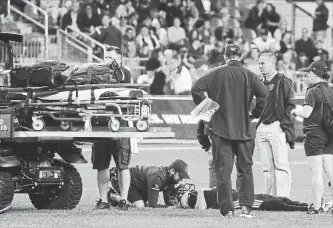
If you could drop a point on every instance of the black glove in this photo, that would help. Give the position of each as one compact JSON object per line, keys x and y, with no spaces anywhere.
{"x":204,"y":142}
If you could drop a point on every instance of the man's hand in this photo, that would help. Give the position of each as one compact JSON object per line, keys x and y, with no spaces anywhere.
{"x":205,"y":143}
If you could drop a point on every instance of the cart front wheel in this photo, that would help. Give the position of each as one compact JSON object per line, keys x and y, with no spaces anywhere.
{"x":114,"y":125}
{"x":38,"y":124}
{"x":142,"y":125}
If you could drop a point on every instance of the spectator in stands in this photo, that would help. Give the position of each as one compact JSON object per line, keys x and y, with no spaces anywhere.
{"x":180,"y":78}
{"x":210,"y":46}
{"x":320,"y":21}
{"x":133,"y":20}
{"x":173,"y":11}
{"x":281,"y":30}
{"x":147,"y":44}
{"x":72,"y":17}
{"x":155,"y":77}
{"x":264,"y":43}
{"x":89,"y":21}
{"x":271,"y":18}
{"x":143,"y":10}
{"x":190,"y":10}
{"x":305,"y":45}
{"x":216,"y":57}
{"x":125,"y":9}
{"x":321,"y":54}
{"x":206,"y":32}
{"x":223,"y":30}
{"x":160,"y":32}
{"x":302,"y":61}
{"x":251,"y":60}
{"x":286,"y":43}
{"x":128,"y":38}
{"x":109,"y":34}
{"x":176,"y":35}
{"x":287,"y":65}
{"x":255,"y":19}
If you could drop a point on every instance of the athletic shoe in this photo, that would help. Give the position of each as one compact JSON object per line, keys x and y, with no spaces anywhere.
{"x":229,"y":214}
{"x":246,"y":212}
{"x":122,"y":205}
{"x":102,"y":205}
{"x":312,"y":210}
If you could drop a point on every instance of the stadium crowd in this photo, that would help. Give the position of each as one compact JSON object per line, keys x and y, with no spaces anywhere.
{"x":187,"y":37}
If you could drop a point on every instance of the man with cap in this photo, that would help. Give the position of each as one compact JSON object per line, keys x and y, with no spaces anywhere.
{"x":318,"y":144}
{"x":155,"y":77}
{"x":148,"y":181}
{"x":233,"y":87}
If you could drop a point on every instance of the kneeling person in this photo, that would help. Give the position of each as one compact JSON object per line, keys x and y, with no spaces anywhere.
{"x":148,"y":181}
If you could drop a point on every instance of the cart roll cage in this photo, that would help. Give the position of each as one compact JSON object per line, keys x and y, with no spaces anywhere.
{"x":6,"y":50}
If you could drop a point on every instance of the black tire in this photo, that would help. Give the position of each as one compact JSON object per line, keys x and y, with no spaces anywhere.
{"x":6,"y":190}
{"x":67,"y":197}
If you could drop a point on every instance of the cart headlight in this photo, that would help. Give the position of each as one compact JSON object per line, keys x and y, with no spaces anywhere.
{"x":145,"y":111}
{"x":50,"y":174}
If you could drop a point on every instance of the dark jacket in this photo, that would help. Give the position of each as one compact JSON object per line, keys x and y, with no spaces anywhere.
{"x":111,"y":36}
{"x":284,"y":106}
{"x":233,"y":87}
{"x":320,"y":21}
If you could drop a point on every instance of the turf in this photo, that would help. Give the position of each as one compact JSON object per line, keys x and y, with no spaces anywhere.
{"x":24,"y":215}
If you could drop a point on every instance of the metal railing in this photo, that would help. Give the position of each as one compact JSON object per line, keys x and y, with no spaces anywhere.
{"x":306,"y":18}
{"x":91,"y":42}
{"x":44,"y":26}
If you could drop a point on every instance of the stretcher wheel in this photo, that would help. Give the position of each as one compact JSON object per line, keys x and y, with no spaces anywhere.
{"x":66,"y":125}
{"x":38,"y":124}
{"x":114,"y":125}
{"x":142,"y":125}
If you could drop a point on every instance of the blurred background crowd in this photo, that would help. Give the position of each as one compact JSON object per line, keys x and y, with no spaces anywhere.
{"x":178,"y":41}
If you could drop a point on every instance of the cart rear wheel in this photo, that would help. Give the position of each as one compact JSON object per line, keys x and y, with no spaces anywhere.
{"x":142,"y":125}
{"x":66,"y":125}
{"x":114,"y":125}
{"x":38,"y":124}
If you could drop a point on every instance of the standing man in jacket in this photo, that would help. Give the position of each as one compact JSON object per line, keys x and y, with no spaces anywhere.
{"x":275,"y":128}
{"x":320,"y":21}
{"x":232,"y":86}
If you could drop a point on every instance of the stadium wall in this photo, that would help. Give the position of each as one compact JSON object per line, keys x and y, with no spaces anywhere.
{"x":175,"y":112}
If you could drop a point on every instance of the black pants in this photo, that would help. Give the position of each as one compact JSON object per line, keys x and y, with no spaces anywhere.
{"x":224,"y":152}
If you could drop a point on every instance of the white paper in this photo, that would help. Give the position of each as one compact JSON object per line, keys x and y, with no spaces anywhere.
{"x":205,"y":110}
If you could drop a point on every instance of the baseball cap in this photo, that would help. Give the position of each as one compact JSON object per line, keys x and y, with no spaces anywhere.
{"x":232,"y":49}
{"x":181,"y":167}
{"x":318,"y":67}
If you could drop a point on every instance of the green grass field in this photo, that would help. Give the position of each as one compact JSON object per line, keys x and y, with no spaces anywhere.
{"x":24,"y":215}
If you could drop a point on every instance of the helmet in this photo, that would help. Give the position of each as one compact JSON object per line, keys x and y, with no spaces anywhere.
{"x":189,"y":199}
{"x":175,"y":195}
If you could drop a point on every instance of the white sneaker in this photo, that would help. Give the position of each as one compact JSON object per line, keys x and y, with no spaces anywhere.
{"x":246,"y":212}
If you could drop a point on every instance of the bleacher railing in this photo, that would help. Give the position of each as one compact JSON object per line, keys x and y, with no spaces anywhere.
{"x":44,"y":26}
{"x":92,"y":43}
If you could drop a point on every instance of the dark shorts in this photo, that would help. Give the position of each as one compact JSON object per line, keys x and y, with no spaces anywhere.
{"x":317,"y":144}
{"x":102,"y":152}
{"x":134,"y":194}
